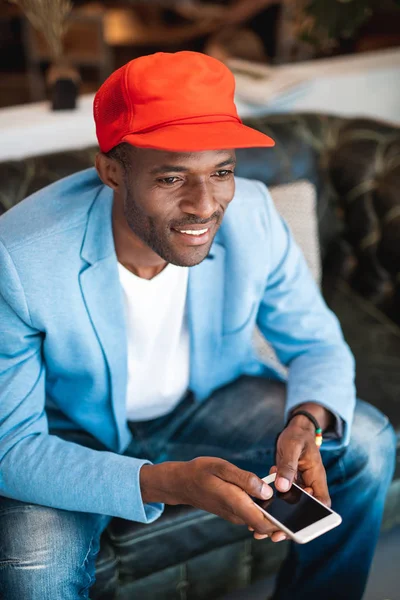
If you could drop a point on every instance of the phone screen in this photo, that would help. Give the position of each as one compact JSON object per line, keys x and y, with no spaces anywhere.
{"x":294,"y":509}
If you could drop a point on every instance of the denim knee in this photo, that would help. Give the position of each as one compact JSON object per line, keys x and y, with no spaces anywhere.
{"x":372,"y":447}
{"x":46,"y":553}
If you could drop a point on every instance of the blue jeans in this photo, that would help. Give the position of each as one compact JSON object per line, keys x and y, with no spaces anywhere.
{"x":47,"y":553}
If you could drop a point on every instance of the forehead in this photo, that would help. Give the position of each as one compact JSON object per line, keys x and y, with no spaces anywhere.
{"x":199,"y":155}
{"x":163,"y":160}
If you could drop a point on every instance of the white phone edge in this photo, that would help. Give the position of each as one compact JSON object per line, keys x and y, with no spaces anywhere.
{"x":312,"y":531}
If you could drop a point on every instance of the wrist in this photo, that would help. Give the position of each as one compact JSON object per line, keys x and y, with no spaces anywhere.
{"x":302,"y":422}
{"x":324,"y":417}
{"x":160,"y":483}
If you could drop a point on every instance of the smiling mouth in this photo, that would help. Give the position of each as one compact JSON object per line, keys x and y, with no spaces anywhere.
{"x":193,"y":231}
{"x":194,"y":235}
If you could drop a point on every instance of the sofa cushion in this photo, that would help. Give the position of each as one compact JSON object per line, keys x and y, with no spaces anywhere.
{"x":168,"y":558}
{"x":296,"y":202}
{"x":180,"y":533}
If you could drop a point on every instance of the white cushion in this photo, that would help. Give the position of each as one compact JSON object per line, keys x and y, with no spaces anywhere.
{"x":296,"y":203}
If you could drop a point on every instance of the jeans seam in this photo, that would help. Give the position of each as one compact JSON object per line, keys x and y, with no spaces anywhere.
{"x":84,"y":567}
{"x":10,"y":562}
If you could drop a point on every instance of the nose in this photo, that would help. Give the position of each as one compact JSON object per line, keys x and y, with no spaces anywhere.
{"x":199,"y":201}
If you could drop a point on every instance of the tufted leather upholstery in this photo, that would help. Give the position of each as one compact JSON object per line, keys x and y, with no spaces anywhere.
{"x":355,"y":165}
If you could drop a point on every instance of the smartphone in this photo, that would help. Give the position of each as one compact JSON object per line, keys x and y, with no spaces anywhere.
{"x":299,"y":515}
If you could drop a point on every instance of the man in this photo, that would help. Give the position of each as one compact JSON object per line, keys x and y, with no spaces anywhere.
{"x":129,"y":296}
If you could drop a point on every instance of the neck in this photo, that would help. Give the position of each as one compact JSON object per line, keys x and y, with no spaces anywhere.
{"x":131,"y":251}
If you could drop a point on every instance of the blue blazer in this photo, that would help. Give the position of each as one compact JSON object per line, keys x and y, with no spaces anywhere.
{"x":63,"y":341}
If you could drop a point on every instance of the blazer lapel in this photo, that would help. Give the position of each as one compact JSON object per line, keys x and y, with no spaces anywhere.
{"x":205,"y":302}
{"x":102,"y":293}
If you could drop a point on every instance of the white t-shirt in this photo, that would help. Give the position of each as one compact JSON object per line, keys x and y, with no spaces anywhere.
{"x":158,"y":341}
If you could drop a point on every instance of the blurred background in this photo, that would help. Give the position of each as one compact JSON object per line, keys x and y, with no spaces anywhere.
{"x":94,"y":38}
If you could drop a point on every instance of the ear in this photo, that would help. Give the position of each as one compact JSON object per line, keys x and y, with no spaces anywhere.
{"x":110,"y":172}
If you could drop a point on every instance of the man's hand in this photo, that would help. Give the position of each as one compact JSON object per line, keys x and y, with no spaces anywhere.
{"x":211,"y":484}
{"x":297,"y":454}
{"x":298,"y":457}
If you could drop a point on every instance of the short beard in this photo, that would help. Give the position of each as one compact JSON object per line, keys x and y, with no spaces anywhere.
{"x":145,"y":228}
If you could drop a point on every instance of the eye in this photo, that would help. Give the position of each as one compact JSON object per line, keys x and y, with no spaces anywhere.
{"x":223,"y":174}
{"x":168,"y":180}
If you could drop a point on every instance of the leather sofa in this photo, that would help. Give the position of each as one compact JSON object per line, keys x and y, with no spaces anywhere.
{"x":355,"y":166}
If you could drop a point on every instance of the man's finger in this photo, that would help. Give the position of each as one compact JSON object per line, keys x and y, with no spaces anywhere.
{"x":287,"y":459}
{"x":233,"y":503}
{"x":279,"y":536}
{"x":249,"y":482}
{"x":275,"y":536}
{"x":266,"y":531}
{"x":260,"y":536}
{"x":256,"y":520}
{"x":315,"y":478}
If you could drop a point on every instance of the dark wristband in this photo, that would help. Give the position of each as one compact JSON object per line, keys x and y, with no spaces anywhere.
{"x":318,"y":430}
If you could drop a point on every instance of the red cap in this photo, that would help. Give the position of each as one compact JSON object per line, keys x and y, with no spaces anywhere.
{"x":180,"y":101}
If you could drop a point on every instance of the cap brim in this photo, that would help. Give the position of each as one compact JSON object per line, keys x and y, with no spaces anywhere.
{"x":200,"y":136}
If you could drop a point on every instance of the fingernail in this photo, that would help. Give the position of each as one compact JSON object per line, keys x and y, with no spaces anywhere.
{"x":266,"y":491}
{"x":280,"y":537}
{"x":283,"y":484}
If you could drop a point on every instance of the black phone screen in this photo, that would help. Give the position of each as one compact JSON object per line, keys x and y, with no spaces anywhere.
{"x":294,"y":509}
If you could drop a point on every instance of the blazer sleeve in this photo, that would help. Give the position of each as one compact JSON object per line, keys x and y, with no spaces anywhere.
{"x":35,"y":466}
{"x":304,"y":333}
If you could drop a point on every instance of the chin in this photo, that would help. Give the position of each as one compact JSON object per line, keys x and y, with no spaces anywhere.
{"x":189,"y":259}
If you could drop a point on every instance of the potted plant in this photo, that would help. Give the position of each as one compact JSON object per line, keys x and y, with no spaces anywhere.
{"x":50,"y":19}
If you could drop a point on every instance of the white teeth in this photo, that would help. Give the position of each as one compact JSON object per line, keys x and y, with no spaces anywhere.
{"x":194,"y":231}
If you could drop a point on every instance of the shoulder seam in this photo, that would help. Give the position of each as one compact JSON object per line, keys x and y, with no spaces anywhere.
{"x":43,"y":237}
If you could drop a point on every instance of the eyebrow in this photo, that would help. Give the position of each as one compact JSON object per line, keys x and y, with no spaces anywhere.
{"x":180,"y":169}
